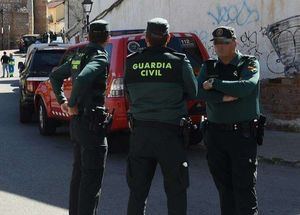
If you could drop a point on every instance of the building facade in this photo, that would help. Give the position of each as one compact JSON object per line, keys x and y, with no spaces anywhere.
{"x":19,"y":17}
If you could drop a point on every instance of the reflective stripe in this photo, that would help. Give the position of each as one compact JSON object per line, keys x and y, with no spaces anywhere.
{"x":37,"y":79}
{"x":75,"y":64}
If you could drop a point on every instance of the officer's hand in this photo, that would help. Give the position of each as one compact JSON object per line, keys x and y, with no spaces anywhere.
{"x":207,"y":85}
{"x":227,"y":98}
{"x":73,"y":111}
{"x":64,"y":107}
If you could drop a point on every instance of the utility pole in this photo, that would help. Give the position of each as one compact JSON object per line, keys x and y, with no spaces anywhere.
{"x":2,"y":28}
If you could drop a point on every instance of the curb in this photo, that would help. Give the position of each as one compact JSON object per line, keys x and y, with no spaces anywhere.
{"x":279,"y":161}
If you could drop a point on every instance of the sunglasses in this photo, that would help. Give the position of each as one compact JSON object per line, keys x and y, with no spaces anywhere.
{"x":222,"y":42}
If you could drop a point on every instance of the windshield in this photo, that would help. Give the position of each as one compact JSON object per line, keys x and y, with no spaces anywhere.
{"x":186,"y":45}
{"x":44,"y":61}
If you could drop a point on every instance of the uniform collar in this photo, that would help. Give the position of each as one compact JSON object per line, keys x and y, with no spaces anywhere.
{"x":235,"y":61}
{"x":156,"y":48}
{"x":95,"y":45}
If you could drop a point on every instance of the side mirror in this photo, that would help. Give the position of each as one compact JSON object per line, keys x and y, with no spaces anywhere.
{"x":21,"y":66}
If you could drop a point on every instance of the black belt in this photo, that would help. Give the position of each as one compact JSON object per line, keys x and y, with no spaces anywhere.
{"x":162,"y":125}
{"x":231,"y":126}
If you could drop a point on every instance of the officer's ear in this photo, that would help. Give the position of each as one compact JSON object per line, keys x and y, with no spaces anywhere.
{"x":168,"y":39}
{"x":147,"y":41}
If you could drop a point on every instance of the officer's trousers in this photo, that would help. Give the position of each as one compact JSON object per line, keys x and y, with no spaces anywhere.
{"x":90,"y":150}
{"x":232,"y":160}
{"x":151,"y":144}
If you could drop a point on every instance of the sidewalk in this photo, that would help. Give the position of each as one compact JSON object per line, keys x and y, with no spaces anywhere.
{"x":280,"y":147}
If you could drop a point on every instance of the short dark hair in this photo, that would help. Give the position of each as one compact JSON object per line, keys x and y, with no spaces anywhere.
{"x":156,"y":41}
{"x":98,"y":36}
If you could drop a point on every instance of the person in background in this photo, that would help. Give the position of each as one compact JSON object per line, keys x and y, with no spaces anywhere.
{"x":11,"y":65}
{"x":4,"y":62}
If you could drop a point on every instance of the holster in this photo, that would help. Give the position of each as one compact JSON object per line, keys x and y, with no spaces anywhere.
{"x":203,"y":126}
{"x":186,"y":126}
{"x":259,"y":129}
{"x":130,"y":121}
{"x":99,"y":119}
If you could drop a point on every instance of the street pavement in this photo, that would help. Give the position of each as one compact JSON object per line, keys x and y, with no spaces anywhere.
{"x":35,"y":172}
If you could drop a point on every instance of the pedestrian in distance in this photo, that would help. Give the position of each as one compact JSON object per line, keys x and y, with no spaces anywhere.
{"x":85,"y":106}
{"x":230,"y":87}
{"x":11,"y":65}
{"x":4,"y":62}
{"x":157,"y":103}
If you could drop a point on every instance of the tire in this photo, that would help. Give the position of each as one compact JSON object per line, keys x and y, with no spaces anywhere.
{"x":118,"y":142}
{"x":46,"y":126}
{"x":24,"y":114}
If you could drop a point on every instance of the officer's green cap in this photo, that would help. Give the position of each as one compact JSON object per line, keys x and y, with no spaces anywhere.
{"x":223,"y":33}
{"x":99,"y":26}
{"x":158,"y":27}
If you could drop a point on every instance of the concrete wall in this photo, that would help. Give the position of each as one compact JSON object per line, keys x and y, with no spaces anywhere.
{"x":276,"y":44}
{"x":56,"y":23}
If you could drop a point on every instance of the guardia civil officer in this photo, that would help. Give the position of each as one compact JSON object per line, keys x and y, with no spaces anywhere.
{"x":230,"y":86}
{"x":158,"y":82}
{"x":88,"y":71}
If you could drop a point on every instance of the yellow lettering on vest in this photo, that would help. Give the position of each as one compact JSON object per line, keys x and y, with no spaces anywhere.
{"x":153,"y":65}
{"x":151,"y":72}
{"x":158,"y":65}
{"x":168,"y":66}
{"x":144,"y":73}
{"x":146,"y":66}
{"x":141,"y":65}
{"x":134,"y":66}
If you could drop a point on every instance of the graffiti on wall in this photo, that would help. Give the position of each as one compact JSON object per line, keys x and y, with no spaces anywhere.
{"x":205,"y":39}
{"x":277,"y":46}
{"x":284,"y":36}
{"x":249,"y":43}
{"x":240,"y":14}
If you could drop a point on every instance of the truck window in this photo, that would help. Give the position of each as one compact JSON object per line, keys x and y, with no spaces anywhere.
{"x":43,"y":62}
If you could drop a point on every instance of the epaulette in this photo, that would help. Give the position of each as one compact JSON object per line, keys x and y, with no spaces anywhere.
{"x":178,"y":54}
{"x":101,"y":54}
{"x":133,"y":54}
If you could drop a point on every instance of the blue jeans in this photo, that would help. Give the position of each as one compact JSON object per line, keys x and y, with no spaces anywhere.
{"x":5,"y":68}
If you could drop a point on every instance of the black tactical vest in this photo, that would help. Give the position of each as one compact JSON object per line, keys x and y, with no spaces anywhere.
{"x":228,"y":72}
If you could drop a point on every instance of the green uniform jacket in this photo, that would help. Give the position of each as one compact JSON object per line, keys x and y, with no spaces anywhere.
{"x":242,"y":83}
{"x":158,"y":81}
{"x":88,"y":72}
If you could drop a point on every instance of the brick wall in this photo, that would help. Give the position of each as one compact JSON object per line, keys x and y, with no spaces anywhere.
{"x":280,"y":99}
{"x":15,"y":22}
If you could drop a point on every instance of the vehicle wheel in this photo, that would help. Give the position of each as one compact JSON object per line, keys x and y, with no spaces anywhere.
{"x":25,"y":114}
{"x":46,"y":126}
{"x":118,"y":142}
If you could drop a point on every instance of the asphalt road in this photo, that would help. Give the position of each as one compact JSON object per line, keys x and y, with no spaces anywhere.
{"x":35,"y":173}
